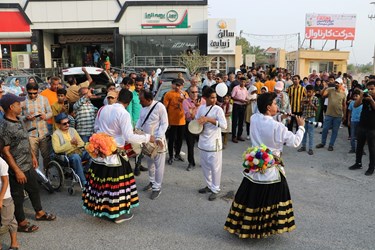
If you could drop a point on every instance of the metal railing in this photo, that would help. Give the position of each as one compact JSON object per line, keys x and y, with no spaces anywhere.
{"x":5,"y":64}
{"x":153,"y":61}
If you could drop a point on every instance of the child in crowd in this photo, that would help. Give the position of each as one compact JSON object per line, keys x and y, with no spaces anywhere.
{"x":8,"y":221}
{"x":250,"y":108}
{"x":354,"y":113}
{"x":227,"y":107}
{"x":61,"y":106}
{"x":310,"y":104}
{"x":263,"y":90}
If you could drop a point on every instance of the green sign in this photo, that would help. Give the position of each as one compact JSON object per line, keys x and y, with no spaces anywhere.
{"x":167,"y":20}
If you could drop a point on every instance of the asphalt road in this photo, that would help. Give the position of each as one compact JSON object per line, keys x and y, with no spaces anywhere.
{"x":333,"y":209}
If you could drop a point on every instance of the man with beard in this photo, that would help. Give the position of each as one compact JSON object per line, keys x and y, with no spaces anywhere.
{"x":335,"y":113}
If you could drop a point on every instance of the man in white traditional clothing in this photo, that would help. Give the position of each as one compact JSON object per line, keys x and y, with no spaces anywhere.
{"x":154,"y":120}
{"x":212,"y":118}
{"x":115,"y":121}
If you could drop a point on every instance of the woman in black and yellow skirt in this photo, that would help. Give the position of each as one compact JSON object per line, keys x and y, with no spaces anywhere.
{"x":262,"y":205}
{"x":111,"y":190}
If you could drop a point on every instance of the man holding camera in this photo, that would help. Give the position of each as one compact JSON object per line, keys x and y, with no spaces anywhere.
{"x":366,"y":128}
{"x":191,"y":106}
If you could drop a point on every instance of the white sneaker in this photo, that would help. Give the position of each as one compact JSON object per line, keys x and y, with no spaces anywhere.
{"x":182,"y":153}
{"x":123,"y":218}
{"x":247,"y":137}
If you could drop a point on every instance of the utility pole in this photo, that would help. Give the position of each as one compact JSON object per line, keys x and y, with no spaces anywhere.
{"x":373,"y":58}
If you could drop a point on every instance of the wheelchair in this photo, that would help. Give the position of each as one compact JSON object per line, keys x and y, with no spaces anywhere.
{"x":59,"y":169}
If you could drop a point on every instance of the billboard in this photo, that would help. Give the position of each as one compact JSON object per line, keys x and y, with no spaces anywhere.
{"x":221,"y":36}
{"x":330,"y":26}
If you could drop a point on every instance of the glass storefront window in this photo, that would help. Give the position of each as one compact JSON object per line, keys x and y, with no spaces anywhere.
{"x":158,"y":45}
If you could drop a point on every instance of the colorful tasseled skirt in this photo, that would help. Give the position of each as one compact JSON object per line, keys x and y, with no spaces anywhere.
{"x":261,"y":210}
{"x":110,"y":191}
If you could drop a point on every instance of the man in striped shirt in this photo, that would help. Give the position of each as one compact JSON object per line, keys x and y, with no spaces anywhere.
{"x":36,"y":110}
{"x":296,"y":93}
{"x":85,"y":114}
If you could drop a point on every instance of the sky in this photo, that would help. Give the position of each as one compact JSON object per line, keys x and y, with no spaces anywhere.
{"x":274,"y":17}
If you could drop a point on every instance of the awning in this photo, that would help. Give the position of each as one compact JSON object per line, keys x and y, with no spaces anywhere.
{"x":14,"y":28}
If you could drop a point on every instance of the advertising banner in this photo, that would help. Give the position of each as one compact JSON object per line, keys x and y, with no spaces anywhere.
{"x":330,"y":26}
{"x":221,"y":36}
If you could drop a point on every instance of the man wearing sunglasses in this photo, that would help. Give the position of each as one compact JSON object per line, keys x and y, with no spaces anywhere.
{"x":36,"y":110}
{"x":66,"y":140}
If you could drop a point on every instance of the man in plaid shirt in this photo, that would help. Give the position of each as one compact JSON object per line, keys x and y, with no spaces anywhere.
{"x":309,"y":106}
{"x":36,"y":110}
{"x":85,"y":114}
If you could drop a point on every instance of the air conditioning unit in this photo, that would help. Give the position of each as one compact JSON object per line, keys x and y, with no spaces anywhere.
{"x":23,"y":61}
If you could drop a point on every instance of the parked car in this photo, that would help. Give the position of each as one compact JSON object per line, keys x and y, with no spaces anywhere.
{"x":23,"y":81}
{"x":99,"y":85}
{"x":165,"y":81}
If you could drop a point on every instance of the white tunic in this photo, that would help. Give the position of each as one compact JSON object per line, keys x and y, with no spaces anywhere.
{"x":115,"y":121}
{"x":210,"y":138}
{"x":157,"y":122}
{"x":265,"y":130}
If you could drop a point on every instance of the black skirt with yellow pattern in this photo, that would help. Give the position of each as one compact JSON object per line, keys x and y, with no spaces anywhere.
{"x":261,"y":210}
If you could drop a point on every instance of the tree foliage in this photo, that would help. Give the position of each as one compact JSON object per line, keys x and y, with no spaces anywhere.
{"x":260,"y":55}
{"x":194,"y":62}
{"x":360,"y":68}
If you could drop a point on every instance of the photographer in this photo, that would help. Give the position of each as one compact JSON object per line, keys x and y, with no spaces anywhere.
{"x":191,"y":106}
{"x":366,"y":128}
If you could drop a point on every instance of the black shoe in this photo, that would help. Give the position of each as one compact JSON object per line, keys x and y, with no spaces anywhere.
{"x":212,"y":197}
{"x":204,"y":190}
{"x":351,"y":151}
{"x":355,"y":166}
{"x":155,"y":194}
{"x":137,"y":171}
{"x":190,"y":167}
{"x":148,"y":187}
{"x":364,"y":153}
{"x":311,"y":152}
{"x":179,"y":158}
{"x":123,"y":218}
{"x":330,"y":148}
{"x":301,"y":149}
{"x":170,"y":161}
{"x":320,"y":145}
{"x":143,"y":169}
{"x":369,"y":171}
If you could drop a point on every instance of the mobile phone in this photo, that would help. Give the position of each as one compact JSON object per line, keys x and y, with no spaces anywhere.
{"x":65,"y":102}
{"x":38,"y":115}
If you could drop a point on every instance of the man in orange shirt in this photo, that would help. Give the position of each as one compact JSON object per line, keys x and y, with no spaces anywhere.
{"x":51,"y":95}
{"x":270,"y":84}
{"x":176,"y":118}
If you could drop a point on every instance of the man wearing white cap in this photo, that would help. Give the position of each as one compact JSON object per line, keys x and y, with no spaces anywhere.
{"x":335,"y":112}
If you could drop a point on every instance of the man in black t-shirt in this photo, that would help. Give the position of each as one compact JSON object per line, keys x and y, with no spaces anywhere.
{"x":16,"y":150}
{"x":366,"y":128}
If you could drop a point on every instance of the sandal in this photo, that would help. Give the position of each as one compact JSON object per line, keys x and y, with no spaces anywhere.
{"x":46,"y":217}
{"x":28,"y":228}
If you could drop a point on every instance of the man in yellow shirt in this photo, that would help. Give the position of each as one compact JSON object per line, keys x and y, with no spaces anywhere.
{"x":66,"y":140}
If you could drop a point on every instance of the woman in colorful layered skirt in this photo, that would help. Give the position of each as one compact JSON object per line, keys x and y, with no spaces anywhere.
{"x":111,"y":189}
{"x":262,"y":205}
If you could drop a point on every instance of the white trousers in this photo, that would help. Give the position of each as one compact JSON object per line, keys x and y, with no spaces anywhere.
{"x":156,"y":170}
{"x":211,"y":163}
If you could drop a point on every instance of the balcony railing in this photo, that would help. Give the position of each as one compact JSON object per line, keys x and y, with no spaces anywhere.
{"x":153,"y":61}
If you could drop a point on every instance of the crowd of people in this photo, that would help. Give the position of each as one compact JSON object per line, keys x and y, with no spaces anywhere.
{"x":62,"y":120}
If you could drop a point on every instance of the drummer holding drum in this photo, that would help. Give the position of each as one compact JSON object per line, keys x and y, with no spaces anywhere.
{"x":153,"y":120}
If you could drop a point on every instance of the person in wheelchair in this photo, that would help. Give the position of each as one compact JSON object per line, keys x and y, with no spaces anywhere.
{"x":66,"y":140}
